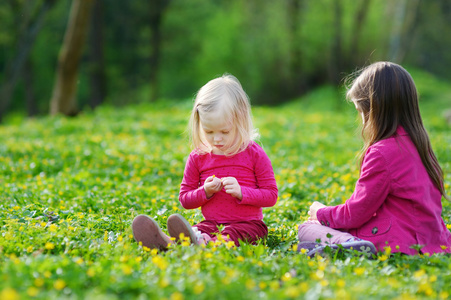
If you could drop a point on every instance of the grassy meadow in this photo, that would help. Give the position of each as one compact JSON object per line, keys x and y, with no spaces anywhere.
{"x":70,"y":189}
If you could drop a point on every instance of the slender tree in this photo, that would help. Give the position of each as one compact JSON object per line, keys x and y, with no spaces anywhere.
{"x":96,"y":68}
{"x":157,"y":9}
{"x":297,"y":84}
{"x":335,"y":64}
{"x":65,"y":88}
{"x":15,"y":67}
{"x":359,"y":22}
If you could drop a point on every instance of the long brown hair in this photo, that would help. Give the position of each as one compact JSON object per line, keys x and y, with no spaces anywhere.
{"x":386,"y":95}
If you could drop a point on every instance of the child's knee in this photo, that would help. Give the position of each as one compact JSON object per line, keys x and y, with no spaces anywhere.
{"x":306,"y":227}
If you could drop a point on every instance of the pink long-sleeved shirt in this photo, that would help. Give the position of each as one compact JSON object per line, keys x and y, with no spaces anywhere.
{"x":253,"y":171}
{"x":395,"y":202}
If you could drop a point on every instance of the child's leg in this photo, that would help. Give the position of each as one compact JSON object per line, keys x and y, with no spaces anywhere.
{"x":249,"y":231}
{"x":313,"y":230}
{"x":147,"y":231}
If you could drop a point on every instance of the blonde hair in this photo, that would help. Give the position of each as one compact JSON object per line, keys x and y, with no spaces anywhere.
{"x":223,"y":94}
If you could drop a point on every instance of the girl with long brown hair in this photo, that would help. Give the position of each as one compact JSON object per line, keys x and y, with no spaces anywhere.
{"x":397,"y":199}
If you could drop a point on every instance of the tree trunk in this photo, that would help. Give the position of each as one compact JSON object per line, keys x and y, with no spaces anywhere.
{"x":359,"y":21}
{"x":32,"y":109}
{"x":157,"y":10}
{"x":65,"y":88}
{"x":335,"y":65}
{"x":15,"y":66}
{"x":96,"y":57}
{"x":297,"y":82}
{"x":406,"y":20}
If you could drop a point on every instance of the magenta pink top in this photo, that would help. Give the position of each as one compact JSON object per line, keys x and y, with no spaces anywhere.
{"x":395,"y":202}
{"x":253,"y":171}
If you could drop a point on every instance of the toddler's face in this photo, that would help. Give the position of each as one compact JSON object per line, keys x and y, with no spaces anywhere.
{"x":218,"y":131}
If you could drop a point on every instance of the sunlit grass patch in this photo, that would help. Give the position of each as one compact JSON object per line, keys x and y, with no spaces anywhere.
{"x":71,"y":188}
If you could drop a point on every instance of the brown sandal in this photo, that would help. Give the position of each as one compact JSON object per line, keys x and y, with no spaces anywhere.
{"x":147,"y":231}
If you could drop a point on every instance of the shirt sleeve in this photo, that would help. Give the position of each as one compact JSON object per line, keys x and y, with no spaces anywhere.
{"x":370,"y":192}
{"x":191,"y":194}
{"x":265,"y":195}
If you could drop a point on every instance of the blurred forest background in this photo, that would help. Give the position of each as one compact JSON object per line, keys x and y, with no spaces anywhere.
{"x":62,"y":56}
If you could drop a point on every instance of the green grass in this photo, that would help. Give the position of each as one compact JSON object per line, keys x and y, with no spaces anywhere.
{"x":71,"y":187}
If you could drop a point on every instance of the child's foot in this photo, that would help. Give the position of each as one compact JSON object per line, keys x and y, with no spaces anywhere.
{"x":365,"y":247}
{"x":178,"y":224}
{"x":147,"y":231}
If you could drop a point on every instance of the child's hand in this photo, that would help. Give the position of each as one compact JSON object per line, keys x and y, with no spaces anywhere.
{"x":232,"y":187}
{"x":212,"y":185}
{"x":314,"y":209}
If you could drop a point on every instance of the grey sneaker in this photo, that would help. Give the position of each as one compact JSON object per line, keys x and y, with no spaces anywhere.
{"x":146,"y":230}
{"x":365,"y":247}
{"x":178,"y":224}
{"x":307,"y":245}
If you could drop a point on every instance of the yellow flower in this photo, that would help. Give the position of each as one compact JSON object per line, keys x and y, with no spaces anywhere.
{"x":286,"y":276}
{"x":250,"y":284}
{"x":30,"y":249}
{"x":383,"y":257}
{"x":126,"y":269}
{"x":32,"y":291}
{"x":240,"y":258}
{"x":292,"y":292}
{"x":49,"y":246}
{"x":9,"y":294}
{"x":387,"y":250}
{"x":303,"y":250}
{"x":443,"y":247}
{"x":341,"y":283}
{"x":359,"y":271}
{"x":199,"y":288}
{"x":53,"y":228}
{"x":160,"y":262}
{"x":39,"y":282}
{"x":274,"y":285}
{"x":90,"y":272}
{"x":419,"y":273}
{"x":59,"y":284}
{"x":177,"y":296}
{"x":304,"y":287}
{"x":119,"y":238}
{"x":230,"y":244}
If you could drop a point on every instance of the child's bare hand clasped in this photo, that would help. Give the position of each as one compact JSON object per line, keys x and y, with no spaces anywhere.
{"x":232,"y":187}
{"x":212,"y":185}
{"x":314,"y":209}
